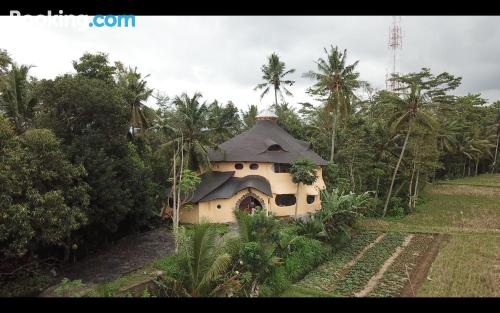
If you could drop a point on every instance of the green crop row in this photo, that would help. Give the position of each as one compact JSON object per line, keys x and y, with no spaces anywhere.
{"x":326,"y":276}
{"x":366,"y":267}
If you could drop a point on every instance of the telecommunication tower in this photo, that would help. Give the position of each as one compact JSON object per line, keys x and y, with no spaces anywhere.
{"x":395,"y":45}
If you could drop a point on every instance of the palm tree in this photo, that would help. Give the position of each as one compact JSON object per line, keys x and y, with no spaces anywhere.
{"x":409,"y":112}
{"x":16,"y":100}
{"x":274,"y":77}
{"x":249,"y":116}
{"x":205,"y":261}
{"x":5,"y":61}
{"x":335,"y":85}
{"x":495,"y":130}
{"x":136,"y":93}
{"x":188,"y":126}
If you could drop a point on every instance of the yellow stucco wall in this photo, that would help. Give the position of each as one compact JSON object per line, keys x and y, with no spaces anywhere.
{"x":281,"y":183}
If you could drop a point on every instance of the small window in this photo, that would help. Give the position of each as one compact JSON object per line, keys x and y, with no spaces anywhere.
{"x":254,"y":166}
{"x":238,"y":166}
{"x":310,"y":199}
{"x":281,"y":168}
{"x":274,"y":148}
{"x":219,"y":206}
{"x":285,"y":200}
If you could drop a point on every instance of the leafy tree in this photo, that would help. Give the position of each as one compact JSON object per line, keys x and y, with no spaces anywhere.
{"x":419,"y":90}
{"x":95,"y":66}
{"x":44,"y":197}
{"x":91,"y":117}
{"x":274,"y":73}
{"x":303,"y":172}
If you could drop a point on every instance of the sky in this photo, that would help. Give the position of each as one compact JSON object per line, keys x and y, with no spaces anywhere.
{"x":221,"y":56}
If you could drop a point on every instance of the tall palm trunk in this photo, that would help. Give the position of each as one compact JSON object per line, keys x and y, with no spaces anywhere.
{"x":275,"y":96}
{"x":496,"y":153}
{"x":334,"y":127}
{"x":468,"y":174}
{"x":415,"y":194}
{"x":410,"y":186}
{"x":477,"y":165}
{"x":396,"y":170}
{"x":376,"y":188}
{"x":351,"y":174}
{"x":465,"y":163}
{"x":297,"y":200}
{"x":174,"y":192}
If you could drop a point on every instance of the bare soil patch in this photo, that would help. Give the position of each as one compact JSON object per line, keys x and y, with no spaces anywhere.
{"x":419,"y":274}
{"x":128,"y":254}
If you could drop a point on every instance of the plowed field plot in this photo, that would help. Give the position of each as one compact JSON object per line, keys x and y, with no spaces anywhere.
{"x":448,"y":247}
{"x":373,"y":264}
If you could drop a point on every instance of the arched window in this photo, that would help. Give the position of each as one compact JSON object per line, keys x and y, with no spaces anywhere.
{"x":285,"y":200}
{"x":254,"y":166}
{"x":311,"y":199}
{"x":238,"y":166}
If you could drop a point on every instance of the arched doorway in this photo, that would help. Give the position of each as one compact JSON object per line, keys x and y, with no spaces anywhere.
{"x":249,"y":202}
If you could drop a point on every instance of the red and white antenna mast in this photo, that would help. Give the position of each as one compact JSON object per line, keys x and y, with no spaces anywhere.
{"x":395,"y":45}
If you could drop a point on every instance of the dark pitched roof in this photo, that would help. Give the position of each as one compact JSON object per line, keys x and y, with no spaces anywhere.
{"x":222,"y":185}
{"x":252,"y":146}
{"x":209,"y":182}
{"x":236,"y":184}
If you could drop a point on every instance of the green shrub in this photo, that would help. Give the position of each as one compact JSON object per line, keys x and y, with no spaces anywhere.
{"x":311,"y":227}
{"x":306,"y":254}
{"x":339,"y":213}
{"x":396,"y":212}
{"x":277,"y":282}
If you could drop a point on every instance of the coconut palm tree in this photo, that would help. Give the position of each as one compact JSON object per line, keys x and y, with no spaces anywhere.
{"x":204,"y":261}
{"x":495,"y":130}
{"x":136,"y":92}
{"x":335,"y":85}
{"x":409,"y":112}
{"x":187,"y":125}
{"x":274,"y":77}
{"x":16,"y":99}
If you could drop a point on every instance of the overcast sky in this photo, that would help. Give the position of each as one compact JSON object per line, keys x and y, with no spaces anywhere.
{"x":221,"y":56}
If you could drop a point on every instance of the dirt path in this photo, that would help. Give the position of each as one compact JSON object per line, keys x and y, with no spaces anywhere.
{"x":419,"y":274}
{"x":128,"y":254}
{"x":375,"y":279}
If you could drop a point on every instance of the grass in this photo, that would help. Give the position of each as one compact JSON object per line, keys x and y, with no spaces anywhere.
{"x":451,"y":210}
{"x":469,"y":265}
{"x":480,"y":180}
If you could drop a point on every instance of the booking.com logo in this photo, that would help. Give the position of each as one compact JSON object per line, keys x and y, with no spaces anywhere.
{"x":80,"y":21}
{"x":113,"y":21}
